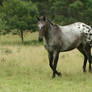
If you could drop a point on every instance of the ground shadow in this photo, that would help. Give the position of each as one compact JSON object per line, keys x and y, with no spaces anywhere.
{"x":32,"y":42}
{"x":26,"y":43}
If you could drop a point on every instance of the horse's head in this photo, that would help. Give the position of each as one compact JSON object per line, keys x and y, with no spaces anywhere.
{"x":42,"y":27}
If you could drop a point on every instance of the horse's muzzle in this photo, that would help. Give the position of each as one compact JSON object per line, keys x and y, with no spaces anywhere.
{"x":40,"y":39}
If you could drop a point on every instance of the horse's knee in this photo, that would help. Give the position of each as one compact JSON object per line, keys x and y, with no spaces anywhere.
{"x":50,"y":64}
{"x":59,"y":74}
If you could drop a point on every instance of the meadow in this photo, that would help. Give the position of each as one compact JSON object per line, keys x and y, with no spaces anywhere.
{"x":25,"y":68}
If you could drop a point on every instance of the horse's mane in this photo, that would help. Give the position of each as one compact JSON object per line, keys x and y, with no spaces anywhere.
{"x":50,"y":22}
{"x":56,"y":26}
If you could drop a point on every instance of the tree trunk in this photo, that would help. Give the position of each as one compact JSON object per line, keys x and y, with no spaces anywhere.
{"x":1,"y":1}
{"x":21,"y":35}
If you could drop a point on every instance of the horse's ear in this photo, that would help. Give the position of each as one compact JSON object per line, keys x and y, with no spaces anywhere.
{"x":38,"y":18}
{"x":44,"y":18}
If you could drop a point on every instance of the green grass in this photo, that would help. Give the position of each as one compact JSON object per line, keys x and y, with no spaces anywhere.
{"x":25,"y":68}
{"x":29,"y":39}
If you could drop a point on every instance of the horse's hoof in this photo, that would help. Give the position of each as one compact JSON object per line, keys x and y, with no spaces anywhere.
{"x":90,"y":71}
{"x":59,"y":74}
{"x":84,"y":71}
{"x":53,"y":76}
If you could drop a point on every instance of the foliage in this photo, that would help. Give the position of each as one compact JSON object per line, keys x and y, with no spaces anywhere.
{"x":2,"y":24}
{"x":19,"y":14}
{"x":66,"y":11}
{"x":1,"y":2}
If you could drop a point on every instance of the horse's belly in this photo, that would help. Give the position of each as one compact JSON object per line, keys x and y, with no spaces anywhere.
{"x":68,"y":48}
{"x":71,"y":42}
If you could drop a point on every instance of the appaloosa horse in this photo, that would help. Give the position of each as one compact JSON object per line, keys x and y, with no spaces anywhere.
{"x":65,"y":38}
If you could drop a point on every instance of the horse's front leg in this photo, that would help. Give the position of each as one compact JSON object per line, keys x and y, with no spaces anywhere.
{"x":50,"y":55}
{"x":56,"y":56}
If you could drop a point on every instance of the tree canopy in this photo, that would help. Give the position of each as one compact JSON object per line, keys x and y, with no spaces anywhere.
{"x":18,"y":14}
{"x":21,"y":14}
{"x":66,"y":11}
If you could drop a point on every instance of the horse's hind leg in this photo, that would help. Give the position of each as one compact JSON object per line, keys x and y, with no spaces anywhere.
{"x":85,"y":62}
{"x":80,"y":48}
{"x":88,"y":54}
{"x":53,"y":67}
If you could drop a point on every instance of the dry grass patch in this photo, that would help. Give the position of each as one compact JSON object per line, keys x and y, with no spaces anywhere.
{"x":25,"y":68}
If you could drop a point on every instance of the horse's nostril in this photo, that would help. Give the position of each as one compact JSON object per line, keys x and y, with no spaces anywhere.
{"x":40,"y":39}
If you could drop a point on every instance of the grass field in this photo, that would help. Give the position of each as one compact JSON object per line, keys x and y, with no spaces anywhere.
{"x":25,"y":68}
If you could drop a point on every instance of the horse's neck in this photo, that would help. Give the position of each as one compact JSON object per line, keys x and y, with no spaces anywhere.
{"x":49,"y":33}
{"x":53,"y":34}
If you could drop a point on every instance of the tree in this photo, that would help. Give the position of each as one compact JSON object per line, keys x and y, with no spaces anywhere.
{"x":66,"y":11}
{"x":43,"y":7}
{"x":20,"y":15}
{"x":1,"y":1}
{"x":2,"y":24}
{"x":87,"y":13}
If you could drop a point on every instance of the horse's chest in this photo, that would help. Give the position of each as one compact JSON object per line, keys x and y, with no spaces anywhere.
{"x":53,"y":45}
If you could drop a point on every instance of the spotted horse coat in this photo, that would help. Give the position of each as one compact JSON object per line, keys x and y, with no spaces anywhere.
{"x":81,"y":28}
{"x":87,"y":33}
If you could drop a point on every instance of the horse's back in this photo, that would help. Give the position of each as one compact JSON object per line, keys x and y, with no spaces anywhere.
{"x":71,"y":35}
{"x":80,"y":32}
